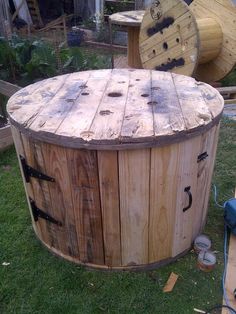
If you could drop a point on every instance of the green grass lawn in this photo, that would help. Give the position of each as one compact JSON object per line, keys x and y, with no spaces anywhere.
{"x":35,"y":281}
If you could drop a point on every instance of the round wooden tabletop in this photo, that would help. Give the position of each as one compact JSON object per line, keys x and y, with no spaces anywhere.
{"x":127,"y":18}
{"x":115,"y":109}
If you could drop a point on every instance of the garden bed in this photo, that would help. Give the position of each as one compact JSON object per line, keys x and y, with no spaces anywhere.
{"x":6,"y":139}
{"x":7,"y":90}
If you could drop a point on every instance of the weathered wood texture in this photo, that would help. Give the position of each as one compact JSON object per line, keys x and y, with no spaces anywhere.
{"x":196,"y":41}
{"x":8,"y":89}
{"x":118,"y":208}
{"x":6,"y":139}
{"x":223,"y":12}
{"x":115,"y":109}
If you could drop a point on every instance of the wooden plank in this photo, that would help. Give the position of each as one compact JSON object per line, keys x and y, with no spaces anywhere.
{"x":168,"y":116}
{"x":187,"y":177}
{"x":28,"y":186}
{"x":103,"y":46}
{"x":62,"y":209}
{"x":203,"y":178}
{"x":163,"y":194}
{"x":6,"y":139}
{"x":8,"y":89}
{"x":108,"y":120}
{"x":83,"y":171}
{"x":86,"y":106}
{"x":227,"y":90}
{"x":25,"y":106}
{"x":230,"y":101}
{"x":213,"y":100}
{"x":134,"y":172}
{"x":215,"y":137}
{"x":39,"y":199}
{"x":134,"y":60}
{"x":109,"y":194}
{"x":138,"y":122}
{"x":51,"y":117}
{"x":171,"y":282}
{"x":193,"y":105}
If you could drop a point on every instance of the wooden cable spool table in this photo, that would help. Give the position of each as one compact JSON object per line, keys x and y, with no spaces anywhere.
{"x":117,"y":164}
{"x":132,"y":20}
{"x":197,"y":40}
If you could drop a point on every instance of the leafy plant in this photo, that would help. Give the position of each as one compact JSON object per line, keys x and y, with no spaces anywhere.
{"x":24,"y":61}
{"x":73,"y":59}
{"x":42,"y":63}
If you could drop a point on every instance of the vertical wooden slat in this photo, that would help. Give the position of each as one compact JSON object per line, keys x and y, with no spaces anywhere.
{"x":109,"y":193}
{"x":42,"y":199}
{"x":28,"y":186}
{"x":62,"y":207}
{"x":134,"y":172}
{"x":203,"y":178}
{"x":163,"y":193}
{"x":83,"y":171}
{"x":214,"y":140}
{"x":38,"y":198}
{"x":187,"y":177}
{"x":133,"y":48}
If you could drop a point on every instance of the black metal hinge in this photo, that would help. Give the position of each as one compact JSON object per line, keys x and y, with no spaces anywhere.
{"x":31,"y":172}
{"x":202,"y":156}
{"x":38,"y":213}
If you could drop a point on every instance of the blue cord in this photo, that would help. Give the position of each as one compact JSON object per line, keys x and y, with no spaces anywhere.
{"x":216,"y":196}
{"x":225,"y":253}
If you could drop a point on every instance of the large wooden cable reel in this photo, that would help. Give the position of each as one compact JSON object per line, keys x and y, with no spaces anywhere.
{"x":197,"y":40}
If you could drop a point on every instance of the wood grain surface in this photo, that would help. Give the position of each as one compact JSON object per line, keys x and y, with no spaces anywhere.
{"x":196,"y":40}
{"x":168,"y":38}
{"x":119,"y":208}
{"x":127,"y":18}
{"x":223,"y":12}
{"x":94,"y":109}
{"x":134,"y":176}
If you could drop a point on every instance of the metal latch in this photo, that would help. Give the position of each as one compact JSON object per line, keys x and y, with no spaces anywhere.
{"x":31,"y":172}
{"x":202,"y":156}
{"x":38,"y":213}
